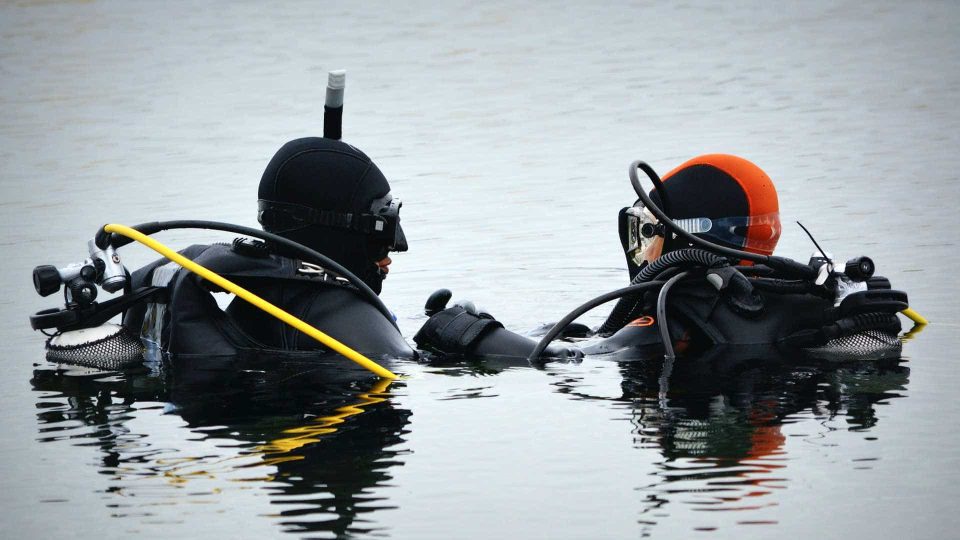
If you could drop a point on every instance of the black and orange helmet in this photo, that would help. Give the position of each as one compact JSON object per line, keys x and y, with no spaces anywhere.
{"x":725,"y":199}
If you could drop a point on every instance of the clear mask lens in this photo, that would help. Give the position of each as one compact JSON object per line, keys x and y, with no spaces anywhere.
{"x":758,"y":233}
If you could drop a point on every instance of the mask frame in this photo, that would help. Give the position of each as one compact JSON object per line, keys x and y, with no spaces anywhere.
{"x":381,"y":223}
{"x":741,"y":231}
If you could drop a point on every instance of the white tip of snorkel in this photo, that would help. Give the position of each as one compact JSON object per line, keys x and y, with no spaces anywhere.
{"x":336,"y":81}
{"x":337,"y":78}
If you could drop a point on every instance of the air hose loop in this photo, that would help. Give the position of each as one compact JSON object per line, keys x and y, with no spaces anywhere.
{"x":629,"y":307}
{"x":685,"y":257}
{"x":570,"y":317}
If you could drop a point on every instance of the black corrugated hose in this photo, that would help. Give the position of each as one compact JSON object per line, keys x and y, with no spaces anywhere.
{"x":628,"y":308}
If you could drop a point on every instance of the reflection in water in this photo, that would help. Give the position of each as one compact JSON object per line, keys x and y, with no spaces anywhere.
{"x":316,"y":452}
{"x":720,"y":426}
{"x":720,"y":429}
{"x":721,"y":433}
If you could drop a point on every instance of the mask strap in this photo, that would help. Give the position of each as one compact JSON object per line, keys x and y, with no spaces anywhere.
{"x":288,"y":216}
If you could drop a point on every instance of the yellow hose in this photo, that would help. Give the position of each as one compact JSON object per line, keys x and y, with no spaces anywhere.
{"x":230,"y":286}
{"x":914,"y":316}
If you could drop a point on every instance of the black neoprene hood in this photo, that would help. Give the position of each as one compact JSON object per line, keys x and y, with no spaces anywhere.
{"x":324,"y":174}
{"x":703,"y":191}
{"x":327,"y":174}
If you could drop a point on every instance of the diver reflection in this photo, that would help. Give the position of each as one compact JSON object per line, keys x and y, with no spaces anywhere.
{"x":317,"y":451}
{"x":720,"y":430}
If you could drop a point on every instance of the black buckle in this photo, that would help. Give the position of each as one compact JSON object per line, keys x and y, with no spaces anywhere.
{"x":873,"y":301}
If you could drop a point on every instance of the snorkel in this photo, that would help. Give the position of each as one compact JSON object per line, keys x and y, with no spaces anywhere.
{"x":861,"y":300}
{"x":333,"y":105}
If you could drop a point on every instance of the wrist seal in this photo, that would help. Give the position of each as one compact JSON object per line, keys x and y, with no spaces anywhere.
{"x":454,"y":330}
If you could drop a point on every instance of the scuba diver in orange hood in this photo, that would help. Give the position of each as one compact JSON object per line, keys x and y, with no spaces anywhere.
{"x":699,"y":251}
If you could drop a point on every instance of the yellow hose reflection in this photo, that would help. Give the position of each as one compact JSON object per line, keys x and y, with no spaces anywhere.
{"x":301,"y":436}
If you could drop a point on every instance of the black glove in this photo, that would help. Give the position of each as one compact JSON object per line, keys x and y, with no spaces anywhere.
{"x":452,"y":330}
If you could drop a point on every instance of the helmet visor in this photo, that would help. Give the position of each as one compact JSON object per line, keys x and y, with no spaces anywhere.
{"x":754,"y":233}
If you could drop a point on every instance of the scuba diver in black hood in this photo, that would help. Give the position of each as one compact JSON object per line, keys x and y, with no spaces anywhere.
{"x":704,"y":238}
{"x":329,"y":196}
{"x":310,"y":279}
{"x":322,"y":194}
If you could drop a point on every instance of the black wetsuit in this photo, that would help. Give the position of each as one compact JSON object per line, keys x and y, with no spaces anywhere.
{"x":190,"y":324}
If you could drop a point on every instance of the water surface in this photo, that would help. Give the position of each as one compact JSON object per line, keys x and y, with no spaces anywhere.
{"x":506,"y":128}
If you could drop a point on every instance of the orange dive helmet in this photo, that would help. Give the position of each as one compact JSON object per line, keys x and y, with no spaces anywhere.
{"x":722,"y":198}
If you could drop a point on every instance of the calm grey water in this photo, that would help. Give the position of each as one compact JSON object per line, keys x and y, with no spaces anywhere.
{"x":506,"y":128}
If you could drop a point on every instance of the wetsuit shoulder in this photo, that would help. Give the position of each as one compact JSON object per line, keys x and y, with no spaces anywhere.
{"x":335,"y":310}
{"x":193,"y":323}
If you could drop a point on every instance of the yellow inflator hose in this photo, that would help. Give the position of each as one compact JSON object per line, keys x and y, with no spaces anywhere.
{"x":232,"y":287}
{"x":914,"y":316}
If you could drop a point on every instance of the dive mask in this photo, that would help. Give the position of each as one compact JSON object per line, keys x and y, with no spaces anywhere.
{"x":381,"y":223}
{"x":752,"y":233}
{"x":386,"y":223}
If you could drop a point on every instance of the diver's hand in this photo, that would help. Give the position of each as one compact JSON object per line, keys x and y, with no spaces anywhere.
{"x":454,"y":330}
{"x":437,"y":302}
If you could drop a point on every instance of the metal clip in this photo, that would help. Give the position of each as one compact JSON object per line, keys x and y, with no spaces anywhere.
{"x":312,"y":269}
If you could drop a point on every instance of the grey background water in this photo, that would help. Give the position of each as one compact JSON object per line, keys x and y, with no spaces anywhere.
{"x":506,"y":128}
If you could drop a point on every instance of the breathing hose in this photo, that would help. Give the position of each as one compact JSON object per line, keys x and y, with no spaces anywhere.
{"x":625,"y":310}
{"x":698,"y":257}
{"x":104,"y":238}
{"x":915,"y":317}
{"x":658,"y":185}
{"x":662,"y":315}
{"x":570,"y":317}
{"x":220,"y":281}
